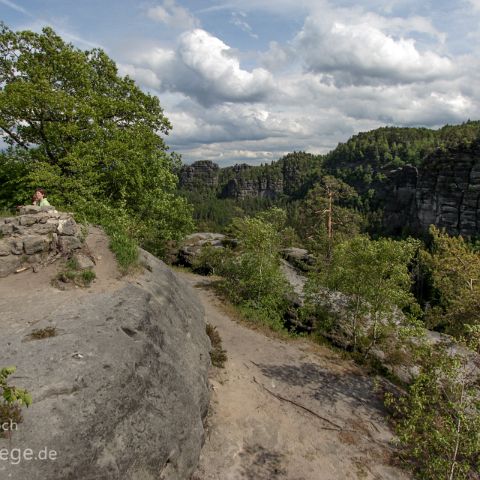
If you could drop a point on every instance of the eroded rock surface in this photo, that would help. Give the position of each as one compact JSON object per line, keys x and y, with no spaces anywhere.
{"x":444,"y":191}
{"x":120,"y":392}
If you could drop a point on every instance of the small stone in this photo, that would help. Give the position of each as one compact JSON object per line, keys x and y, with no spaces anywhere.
{"x":35,"y":244}
{"x":83,"y":262}
{"x":4,"y":248}
{"x":6,"y":229}
{"x":27,"y":220}
{"x":28,"y":209}
{"x":34,"y":258}
{"x":43,"y":228}
{"x":19,"y":230}
{"x":16,"y":246}
{"x":67,"y":227}
{"x":67,"y":244}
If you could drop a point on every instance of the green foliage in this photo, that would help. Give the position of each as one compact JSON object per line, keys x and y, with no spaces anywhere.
{"x":87,"y":277}
{"x":438,"y":419}
{"x":454,"y":267}
{"x":11,"y":400}
{"x":312,"y":215}
{"x":252,"y":278}
{"x":373,"y":277}
{"x":211,"y":260}
{"x":11,"y":394}
{"x":71,"y":273}
{"x":13,"y":171}
{"x":391,"y":147}
{"x":88,"y":136}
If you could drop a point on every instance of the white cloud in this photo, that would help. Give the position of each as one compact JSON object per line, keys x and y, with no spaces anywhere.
{"x":212,"y":60}
{"x":144,"y":76}
{"x":345,"y":70}
{"x":173,"y":15}
{"x":360,"y":53}
{"x":203,"y":67}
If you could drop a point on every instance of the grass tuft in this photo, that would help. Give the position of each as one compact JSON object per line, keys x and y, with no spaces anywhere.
{"x":124,"y":248}
{"x":218,"y":355}
{"x":43,"y":333}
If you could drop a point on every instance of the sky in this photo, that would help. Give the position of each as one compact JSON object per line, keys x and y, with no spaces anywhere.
{"x":251,"y":80}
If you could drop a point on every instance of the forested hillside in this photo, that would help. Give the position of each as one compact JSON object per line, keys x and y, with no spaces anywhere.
{"x":382,"y":166}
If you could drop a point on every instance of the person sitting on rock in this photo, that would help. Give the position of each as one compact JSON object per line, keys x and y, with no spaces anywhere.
{"x":39,"y":198}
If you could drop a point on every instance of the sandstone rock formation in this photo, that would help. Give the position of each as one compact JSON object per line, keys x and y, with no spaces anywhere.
{"x":289,"y":176}
{"x":262,"y":187}
{"x":201,"y":174}
{"x":35,"y":236}
{"x":298,"y":257}
{"x":121,"y":391}
{"x":444,"y":191}
{"x":193,"y":244}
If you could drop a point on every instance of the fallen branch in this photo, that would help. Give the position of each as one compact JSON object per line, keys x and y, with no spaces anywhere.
{"x":337,"y":428}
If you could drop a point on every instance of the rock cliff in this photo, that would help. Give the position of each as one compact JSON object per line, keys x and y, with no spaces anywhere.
{"x":201,"y":174}
{"x":262,"y":187}
{"x":444,"y":191}
{"x":289,"y":176}
{"x":120,"y":391}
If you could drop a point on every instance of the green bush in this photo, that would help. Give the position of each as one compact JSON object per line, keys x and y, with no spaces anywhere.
{"x":438,"y":419}
{"x":454,"y":267}
{"x":252,"y":276}
{"x":375,"y":280}
{"x":11,"y":399}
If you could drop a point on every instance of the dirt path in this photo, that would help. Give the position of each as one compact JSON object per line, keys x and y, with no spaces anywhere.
{"x":336,"y":431}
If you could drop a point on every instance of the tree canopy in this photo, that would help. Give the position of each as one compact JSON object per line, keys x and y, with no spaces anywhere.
{"x":89,"y":136}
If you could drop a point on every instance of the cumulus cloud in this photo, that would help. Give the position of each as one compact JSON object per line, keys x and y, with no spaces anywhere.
{"x":362,"y":53}
{"x":345,"y":70}
{"x":205,"y":68}
{"x":173,"y":15}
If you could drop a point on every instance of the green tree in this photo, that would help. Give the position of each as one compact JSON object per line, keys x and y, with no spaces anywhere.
{"x":438,"y":419}
{"x":90,"y":137}
{"x":374,"y":278}
{"x":253,"y":278}
{"x":455,"y":271}
{"x":315,"y":210}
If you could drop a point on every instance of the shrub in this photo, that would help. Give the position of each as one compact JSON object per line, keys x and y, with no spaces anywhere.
{"x":252,"y":278}
{"x":438,"y":419}
{"x":454,"y":266}
{"x":11,"y":400}
{"x":374,"y":282}
{"x":218,"y":355}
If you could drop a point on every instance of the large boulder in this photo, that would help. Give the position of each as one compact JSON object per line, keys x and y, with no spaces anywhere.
{"x":121,"y":391}
{"x":298,"y":258}
{"x":193,"y":244}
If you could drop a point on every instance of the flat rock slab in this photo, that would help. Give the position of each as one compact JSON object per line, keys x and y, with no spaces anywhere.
{"x":121,"y":390}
